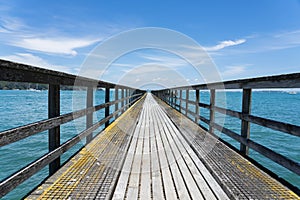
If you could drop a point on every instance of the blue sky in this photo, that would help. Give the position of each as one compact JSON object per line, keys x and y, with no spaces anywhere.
{"x":244,"y":38}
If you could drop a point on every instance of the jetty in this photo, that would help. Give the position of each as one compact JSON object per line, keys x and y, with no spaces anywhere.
{"x":152,"y":145}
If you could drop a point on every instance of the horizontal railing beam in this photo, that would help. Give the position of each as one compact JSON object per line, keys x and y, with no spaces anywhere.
{"x":276,"y":157}
{"x":203,"y":105}
{"x":16,"y":134}
{"x":266,"y":82}
{"x":268,"y":123}
{"x":16,"y":72}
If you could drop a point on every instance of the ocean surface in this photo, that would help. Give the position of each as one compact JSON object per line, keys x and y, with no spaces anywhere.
{"x":18,"y":107}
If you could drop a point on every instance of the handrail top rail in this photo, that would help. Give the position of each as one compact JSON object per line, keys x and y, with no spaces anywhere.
{"x":265,"y":82}
{"x":18,"y":72}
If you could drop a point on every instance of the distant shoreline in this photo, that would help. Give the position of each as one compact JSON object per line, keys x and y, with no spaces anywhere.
{"x":5,"y":85}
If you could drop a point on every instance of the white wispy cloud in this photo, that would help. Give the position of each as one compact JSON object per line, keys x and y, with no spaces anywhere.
{"x":30,"y":59}
{"x":13,"y":24}
{"x":224,"y":44}
{"x":265,"y":42}
{"x":55,"y":45}
{"x":166,"y":60}
{"x":14,"y":32}
{"x":284,"y":40}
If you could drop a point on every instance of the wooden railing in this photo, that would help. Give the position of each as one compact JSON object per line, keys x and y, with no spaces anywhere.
{"x":174,"y":97}
{"x":15,"y":72}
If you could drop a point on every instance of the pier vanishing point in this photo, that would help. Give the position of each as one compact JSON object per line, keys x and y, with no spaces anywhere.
{"x":152,"y":145}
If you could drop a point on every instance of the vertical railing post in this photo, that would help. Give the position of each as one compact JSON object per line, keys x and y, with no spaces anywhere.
{"x":166,"y":96}
{"x":180,"y":100}
{"x":197,"y":106}
{"x":89,"y":117}
{"x":169,"y":97}
{"x":172,"y":98}
{"x":187,"y":102}
{"x":116,"y":99}
{"x":245,"y":126}
{"x":126,"y":99}
{"x":54,"y":133}
{"x":107,"y":93}
{"x":212,"y":110}
{"x":122,"y":102}
{"x":130,"y":94}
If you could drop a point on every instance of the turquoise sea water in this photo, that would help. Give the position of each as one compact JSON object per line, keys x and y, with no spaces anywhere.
{"x":22,"y":107}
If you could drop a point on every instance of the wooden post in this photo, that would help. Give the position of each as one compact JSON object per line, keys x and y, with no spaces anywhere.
{"x":245,"y":126}
{"x":54,"y":133}
{"x":126,"y":95}
{"x":129,"y":94}
{"x":117,"y":104}
{"x":169,"y":99}
{"x":212,"y":110}
{"x":122,"y":96}
{"x":197,"y":106}
{"x":172,"y":98}
{"x":180,"y":100}
{"x":187,"y":102}
{"x":107,"y":93}
{"x":89,"y":117}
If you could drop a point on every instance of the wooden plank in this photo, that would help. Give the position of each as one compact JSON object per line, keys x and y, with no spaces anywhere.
{"x":245,"y":125}
{"x":120,"y":191}
{"x":128,"y":127}
{"x":207,"y":184}
{"x":191,"y":185}
{"x":236,"y":182}
{"x":157,"y":185}
{"x":169,"y":188}
{"x":178,"y":179}
{"x":145,"y":183}
{"x":134,"y":177}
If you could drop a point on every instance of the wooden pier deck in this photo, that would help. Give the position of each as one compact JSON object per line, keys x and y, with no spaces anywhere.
{"x":154,"y":152}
